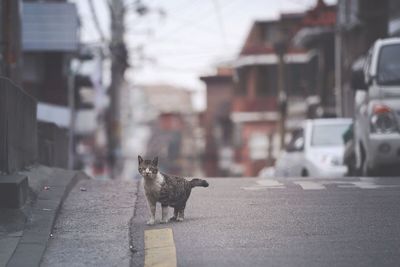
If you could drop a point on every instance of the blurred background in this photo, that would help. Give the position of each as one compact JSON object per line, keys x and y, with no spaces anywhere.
{"x":213,"y":88}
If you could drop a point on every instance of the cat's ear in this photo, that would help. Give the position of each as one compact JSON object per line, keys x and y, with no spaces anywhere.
{"x":140,"y":159}
{"x":155,"y":161}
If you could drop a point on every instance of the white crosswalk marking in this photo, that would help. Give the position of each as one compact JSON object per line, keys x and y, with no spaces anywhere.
{"x":308,"y":185}
{"x":360,"y":183}
{"x":264,"y":184}
{"x":270,"y":183}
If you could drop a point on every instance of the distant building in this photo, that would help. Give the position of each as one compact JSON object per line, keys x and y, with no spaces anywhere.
{"x":255,"y":111}
{"x":169,"y":99}
{"x":306,"y":41}
{"x":170,"y":104}
{"x":60,"y":72}
{"x":173,"y":137}
{"x":49,"y":41}
{"x":218,"y":157}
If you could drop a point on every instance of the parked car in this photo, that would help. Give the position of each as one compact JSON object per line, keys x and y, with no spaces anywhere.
{"x":349,"y":157}
{"x":315,"y":150}
{"x":377,"y":109}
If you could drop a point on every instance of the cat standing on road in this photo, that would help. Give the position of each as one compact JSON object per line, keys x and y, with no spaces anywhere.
{"x":169,"y":190}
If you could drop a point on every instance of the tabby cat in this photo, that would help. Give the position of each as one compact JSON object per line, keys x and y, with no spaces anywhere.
{"x":169,"y":190}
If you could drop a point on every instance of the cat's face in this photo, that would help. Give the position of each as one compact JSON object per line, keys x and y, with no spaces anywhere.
{"x":148,"y":168}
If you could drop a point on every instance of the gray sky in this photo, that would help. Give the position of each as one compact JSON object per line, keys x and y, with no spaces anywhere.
{"x":192,"y":37}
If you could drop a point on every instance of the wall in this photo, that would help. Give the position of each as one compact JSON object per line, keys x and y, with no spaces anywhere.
{"x":251,"y":162}
{"x":52,"y":145}
{"x":18,"y":130}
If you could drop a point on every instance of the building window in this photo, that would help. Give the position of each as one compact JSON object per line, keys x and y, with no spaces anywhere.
{"x":267,"y":81}
{"x":295,"y":85}
{"x":241,"y":85}
{"x":258,"y":146}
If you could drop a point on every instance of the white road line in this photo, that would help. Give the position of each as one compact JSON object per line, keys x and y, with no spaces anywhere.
{"x":253,"y":188}
{"x":363,"y":183}
{"x":308,"y":185}
{"x":265,"y":184}
{"x":368,"y":185}
{"x":270,"y":183}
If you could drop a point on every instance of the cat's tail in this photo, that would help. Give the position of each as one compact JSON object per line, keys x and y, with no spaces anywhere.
{"x":198,"y":182}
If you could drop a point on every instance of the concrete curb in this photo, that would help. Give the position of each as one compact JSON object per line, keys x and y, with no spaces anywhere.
{"x":45,"y":210}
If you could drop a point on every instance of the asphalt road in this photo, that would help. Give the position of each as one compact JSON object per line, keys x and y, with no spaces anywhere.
{"x":297,"y":222}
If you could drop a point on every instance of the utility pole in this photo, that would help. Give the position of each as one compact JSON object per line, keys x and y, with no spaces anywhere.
{"x":280,"y":48}
{"x":119,"y":59}
{"x":72,"y":119}
{"x":340,"y":106}
{"x":10,"y":40}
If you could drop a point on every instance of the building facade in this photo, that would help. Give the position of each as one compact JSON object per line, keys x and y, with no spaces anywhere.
{"x":217,"y":124}
{"x":256,"y":110}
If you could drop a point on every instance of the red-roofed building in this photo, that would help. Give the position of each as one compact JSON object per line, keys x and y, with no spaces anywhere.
{"x":308,"y":75}
{"x":255,"y":104}
{"x":321,"y":15}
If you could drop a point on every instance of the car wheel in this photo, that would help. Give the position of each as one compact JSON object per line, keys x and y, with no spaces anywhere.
{"x":304,"y":173}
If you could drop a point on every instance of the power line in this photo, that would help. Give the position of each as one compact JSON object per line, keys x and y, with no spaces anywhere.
{"x":96,"y":21}
{"x":195,"y":22}
{"x":179,"y":70}
{"x":176,"y":42}
{"x":220,"y":21}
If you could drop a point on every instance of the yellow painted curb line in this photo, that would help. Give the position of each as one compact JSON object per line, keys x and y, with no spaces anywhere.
{"x":159,"y":248}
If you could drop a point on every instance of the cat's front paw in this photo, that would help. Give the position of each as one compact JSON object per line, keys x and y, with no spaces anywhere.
{"x":164,"y":221}
{"x":179,"y":219}
{"x":150,"y":222}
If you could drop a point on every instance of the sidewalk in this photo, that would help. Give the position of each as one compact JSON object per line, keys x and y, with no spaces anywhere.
{"x":93,"y":226}
{"x":24,"y":233}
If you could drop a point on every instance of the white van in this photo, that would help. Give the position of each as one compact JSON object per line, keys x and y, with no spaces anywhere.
{"x":377,"y":110}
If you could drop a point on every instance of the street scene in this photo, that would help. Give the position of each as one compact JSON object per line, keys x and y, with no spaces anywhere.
{"x":199,"y":133}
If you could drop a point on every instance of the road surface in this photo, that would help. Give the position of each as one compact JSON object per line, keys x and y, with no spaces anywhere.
{"x":294,"y":222}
